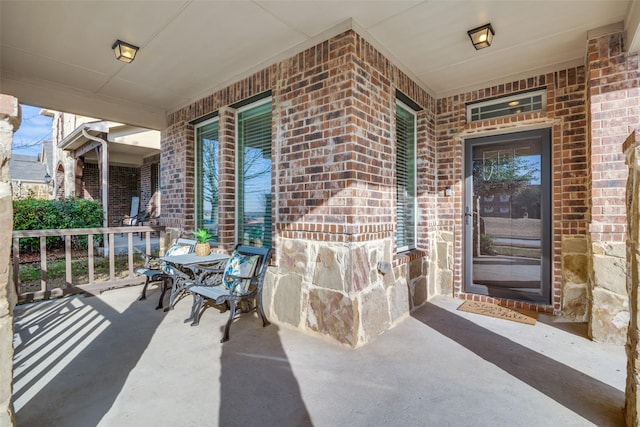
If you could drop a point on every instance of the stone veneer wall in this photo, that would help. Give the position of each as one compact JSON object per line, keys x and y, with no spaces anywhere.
{"x":22,"y":190}
{"x":614,"y":96}
{"x":631,"y":149}
{"x":575,"y":277}
{"x":9,"y":123}
{"x":566,"y":117}
{"x":333,"y":159}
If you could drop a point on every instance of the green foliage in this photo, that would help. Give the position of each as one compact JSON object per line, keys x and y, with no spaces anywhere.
{"x":202,"y":235}
{"x":487,"y":245}
{"x":507,"y":173}
{"x":35,"y":214}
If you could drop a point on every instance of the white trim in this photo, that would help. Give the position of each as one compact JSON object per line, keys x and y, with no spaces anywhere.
{"x":516,"y":127}
{"x":632,"y":27}
{"x":605,"y":30}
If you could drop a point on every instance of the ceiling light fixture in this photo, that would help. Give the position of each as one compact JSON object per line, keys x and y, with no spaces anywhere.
{"x":481,"y":37}
{"x":124,"y":51}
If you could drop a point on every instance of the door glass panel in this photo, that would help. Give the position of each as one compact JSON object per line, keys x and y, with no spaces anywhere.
{"x":504,"y":221}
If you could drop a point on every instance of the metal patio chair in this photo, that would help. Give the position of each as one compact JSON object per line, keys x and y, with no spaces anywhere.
{"x":157,"y":271}
{"x":240,"y":282}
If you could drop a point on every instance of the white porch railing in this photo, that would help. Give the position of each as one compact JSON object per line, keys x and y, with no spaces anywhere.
{"x":92,"y":286}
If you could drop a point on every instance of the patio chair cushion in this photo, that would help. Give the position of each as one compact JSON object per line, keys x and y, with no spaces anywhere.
{"x":242,"y":266}
{"x":175,"y":249}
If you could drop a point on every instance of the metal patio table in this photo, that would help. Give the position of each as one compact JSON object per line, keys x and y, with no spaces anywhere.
{"x":184,"y":269}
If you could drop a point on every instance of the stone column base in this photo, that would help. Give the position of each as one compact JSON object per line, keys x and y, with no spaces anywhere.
{"x":609,"y":301}
{"x":345,"y":291}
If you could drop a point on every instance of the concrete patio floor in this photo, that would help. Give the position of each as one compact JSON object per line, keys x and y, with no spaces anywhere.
{"x":110,"y":360}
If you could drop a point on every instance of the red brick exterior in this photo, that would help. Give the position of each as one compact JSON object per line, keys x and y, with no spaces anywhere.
{"x":227,"y":177}
{"x":614,"y":100}
{"x":336,"y":175}
{"x":177,"y":148}
{"x":124,"y":183}
{"x":565,"y":115}
{"x":333,"y":151}
{"x":333,"y":114}
{"x":90,"y":182}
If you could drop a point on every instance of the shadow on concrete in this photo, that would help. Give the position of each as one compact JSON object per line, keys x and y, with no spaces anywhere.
{"x":590,"y":398}
{"x":72,"y":359}
{"x":580,"y":329}
{"x":257,"y":385}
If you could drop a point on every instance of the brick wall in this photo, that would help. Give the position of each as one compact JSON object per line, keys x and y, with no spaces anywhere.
{"x":565,"y":115}
{"x":614,"y":100}
{"x":124,"y":183}
{"x":177,"y":147}
{"x":335,"y":173}
{"x":333,"y":113}
{"x":227,"y":177}
{"x":90,"y":182}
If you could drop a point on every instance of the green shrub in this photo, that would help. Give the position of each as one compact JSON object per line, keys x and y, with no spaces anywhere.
{"x":35,"y":214}
{"x":487,"y":245}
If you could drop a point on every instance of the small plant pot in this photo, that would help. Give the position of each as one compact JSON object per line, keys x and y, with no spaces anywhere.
{"x":203,"y":249}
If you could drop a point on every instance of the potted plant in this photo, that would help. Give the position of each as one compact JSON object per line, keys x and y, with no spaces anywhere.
{"x":202,"y":247}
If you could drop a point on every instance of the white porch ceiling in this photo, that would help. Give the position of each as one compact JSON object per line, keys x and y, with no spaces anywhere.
{"x":57,"y":54}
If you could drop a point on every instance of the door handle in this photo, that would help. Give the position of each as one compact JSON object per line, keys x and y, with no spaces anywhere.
{"x":467,"y":214}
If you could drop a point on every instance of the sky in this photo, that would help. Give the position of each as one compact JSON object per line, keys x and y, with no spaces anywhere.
{"x":33,"y":130}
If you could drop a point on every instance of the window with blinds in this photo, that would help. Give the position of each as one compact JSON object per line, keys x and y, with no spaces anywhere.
{"x":207,"y":173}
{"x":254,"y":174}
{"x":405,"y":177}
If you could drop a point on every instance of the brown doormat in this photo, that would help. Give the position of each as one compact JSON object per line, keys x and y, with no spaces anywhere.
{"x":493,"y":310}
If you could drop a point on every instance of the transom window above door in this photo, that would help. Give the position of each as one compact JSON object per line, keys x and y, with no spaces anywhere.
{"x":507,"y":106}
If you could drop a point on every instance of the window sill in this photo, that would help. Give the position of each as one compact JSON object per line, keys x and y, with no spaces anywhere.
{"x":409,"y":255}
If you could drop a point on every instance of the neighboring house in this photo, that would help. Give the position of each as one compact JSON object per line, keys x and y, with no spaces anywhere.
{"x":29,"y":174}
{"x":362,"y":181}
{"x":83,"y":145}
